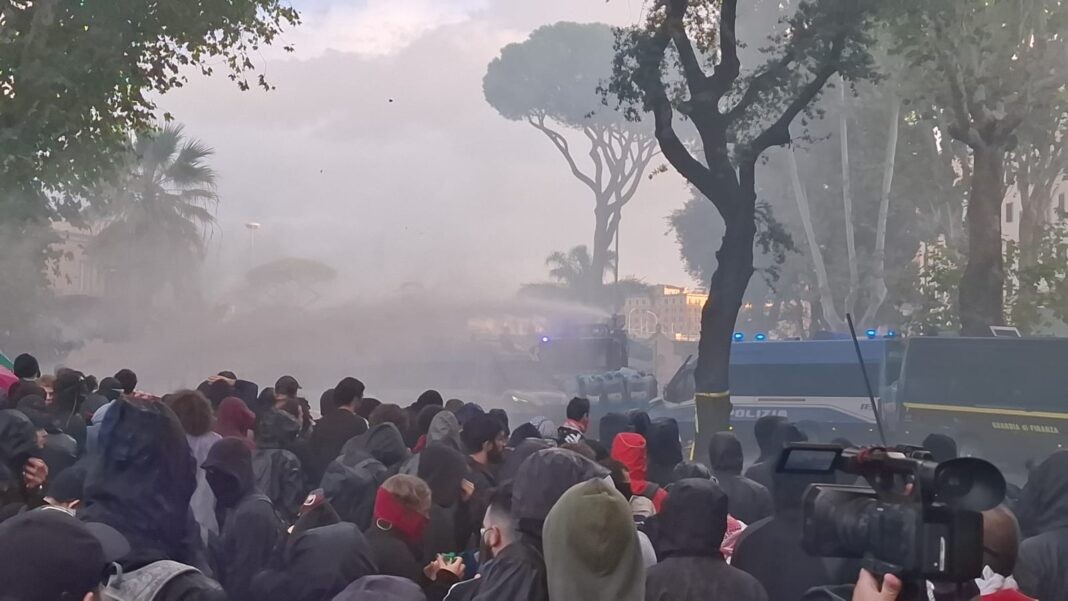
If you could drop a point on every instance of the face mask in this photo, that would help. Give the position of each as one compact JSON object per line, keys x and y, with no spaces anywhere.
{"x":225,"y":487}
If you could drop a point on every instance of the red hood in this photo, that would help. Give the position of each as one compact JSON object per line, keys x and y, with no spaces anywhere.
{"x":629,"y":449}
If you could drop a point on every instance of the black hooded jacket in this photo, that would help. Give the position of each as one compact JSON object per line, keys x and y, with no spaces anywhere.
{"x":18,"y":443}
{"x":763,"y":472}
{"x":139,"y":481}
{"x":749,"y":501}
{"x":664,"y":447}
{"x":276,"y":469}
{"x":1042,"y":563}
{"x":771,"y":549}
{"x":317,"y":564}
{"x":328,"y":438}
{"x":352,"y":479}
{"x":611,"y":425}
{"x":249,"y":528}
{"x":443,"y":469}
{"x":519,"y":454}
{"x":687,"y":534}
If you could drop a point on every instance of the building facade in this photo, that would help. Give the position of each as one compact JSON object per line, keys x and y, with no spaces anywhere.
{"x":673,"y":311}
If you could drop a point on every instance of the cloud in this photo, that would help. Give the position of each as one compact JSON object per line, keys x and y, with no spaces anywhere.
{"x":374,"y":27}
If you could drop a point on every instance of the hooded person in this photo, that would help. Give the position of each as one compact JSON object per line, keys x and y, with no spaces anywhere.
{"x":422,"y":425}
{"x":18,"y":448}
{"x":763,"y":472}
{"x":467,"y":412}
{"x":194,"y":414}
{"x":140,"y":481}
{"x":941,"y":446}
{"x":27,"y":370}
{"x":316,"y":565}
{"x":69,"y":393}
{"x":630,"y":450}
{"x":58,"y":450}
{"x":763,"y":431}
{"x":276,"y":469}
{"x":611,"y":425}
{"x":519,"y":454}
{"x":541,"y":480}
{"x":365,"y":462}
{"x":771,"y":551}
{"x":522,"y":432}
{"x":1042,"y":566}
{"x":445,"y":471}
{"x":687,"y":535}
{"x":749,"y":501}
{"x":249,"y":527}
{"x":381,"y":588}
{"x":591,"y":546}
{"x":444,"y":429}
{"x":664,"y":449}
{"x":235,"y":420}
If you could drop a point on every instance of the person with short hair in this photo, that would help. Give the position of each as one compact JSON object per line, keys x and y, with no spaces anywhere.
{"x":336,"y":427}
{"x":578,"y":422}
{"x":484,"y":438}
{"x":127,"y":379}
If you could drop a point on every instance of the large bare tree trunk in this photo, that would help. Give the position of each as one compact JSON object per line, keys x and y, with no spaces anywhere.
{"x":828,"y":310}
{"x":878,"y":275}
{"x":982,"y":288}
{"x":847,"y":203}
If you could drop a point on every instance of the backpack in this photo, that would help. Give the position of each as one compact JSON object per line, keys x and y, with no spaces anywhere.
{"x":351,"y":489}
{"x":650,"y":490}
{"x":146,"y":583}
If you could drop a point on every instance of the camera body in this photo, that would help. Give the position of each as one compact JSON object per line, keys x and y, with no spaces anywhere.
{"x":917,"y":519}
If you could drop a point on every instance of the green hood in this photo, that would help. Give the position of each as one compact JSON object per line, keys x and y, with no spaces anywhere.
{"x":591,"y":546}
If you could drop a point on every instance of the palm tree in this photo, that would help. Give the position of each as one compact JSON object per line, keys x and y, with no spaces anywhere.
{"x":156,"y":210}
{"x":574,"y":269}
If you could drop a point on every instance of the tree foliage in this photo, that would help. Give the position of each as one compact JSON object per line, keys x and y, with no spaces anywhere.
{"x":551,"y":82}
{"x":76,"y":76}
{"x":156,"y":210}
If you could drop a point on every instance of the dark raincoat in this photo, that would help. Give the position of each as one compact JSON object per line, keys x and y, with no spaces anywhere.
{"x":1042,"y":563}
{"x":687,"y":535}
{"x":328,"y":438}
{"x":443,"y":469}
{"x":382,"y":588}
{"x":277,"y":470}
{"x":665,"y":450}
{"x":763,"y":472}
{"x":317,"y":564}
{"x":18,"y":443}
{"x":352,"y":479}
{"x":524,"y":449}
{"x":249,"y":529}
{"x":140,"y":480}
{"x":749,"y":501}
{"x":771,"y":549}
{"x":610,"y":425}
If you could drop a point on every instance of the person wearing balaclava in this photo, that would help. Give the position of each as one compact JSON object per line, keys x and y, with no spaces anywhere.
{"x":249,"y":527}
{"x":764,"y":432}
{"x":771,"y":550}
{"x":591,"y":546}
{"x":665,"y":450}
{"x":763,"y":471}
{"x":750,"y":501}
{"x":1042,"y":567}
{"x":445,"y":471}
{"x":687,"y":536}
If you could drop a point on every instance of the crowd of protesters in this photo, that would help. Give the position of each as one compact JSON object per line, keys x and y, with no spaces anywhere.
{"x":232,"y":492}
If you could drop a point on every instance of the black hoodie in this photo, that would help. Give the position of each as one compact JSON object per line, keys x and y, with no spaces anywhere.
{"x":749,"y":501}
{"x":611,"y":425}
{"x":317,"y":564}
{"x":763,"y":472}
{"x":139,"y":481}
{"x":249,"y":528}
{"x":351,"y":480}
{"x":277,"y":470}
{"x":1042,"y":565}
{"x":18,"y":443}
{"x":664,"y":447}
{"x":443,"y":469}
{"x":687,"y":534}
{"x":771,"y":549}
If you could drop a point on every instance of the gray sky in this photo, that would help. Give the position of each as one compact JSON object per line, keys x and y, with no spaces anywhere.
{"x":432,"y":187}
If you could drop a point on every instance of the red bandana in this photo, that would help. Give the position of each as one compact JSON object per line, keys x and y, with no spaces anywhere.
{"x":389,"y":513}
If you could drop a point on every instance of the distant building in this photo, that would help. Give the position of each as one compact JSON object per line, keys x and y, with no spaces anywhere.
{"x":673,"y":311}
{"x":1010,"y":209}
{"x":76,"y":274}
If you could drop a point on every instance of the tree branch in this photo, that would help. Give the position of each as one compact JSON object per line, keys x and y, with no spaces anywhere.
{"x":728,"y":68}
{"x":561,"y":144}
{"x":696,"y":79}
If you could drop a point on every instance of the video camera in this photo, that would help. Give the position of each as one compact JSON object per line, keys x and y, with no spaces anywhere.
{"x":918,"y":519}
